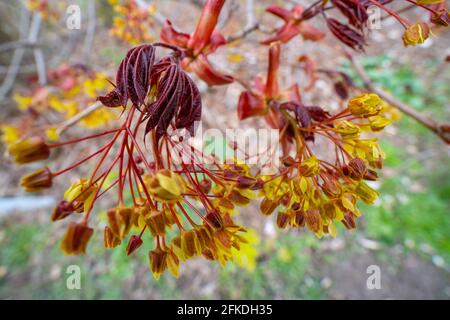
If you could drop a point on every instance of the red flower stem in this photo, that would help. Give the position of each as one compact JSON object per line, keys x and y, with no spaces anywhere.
{"x":113,"y":140}
{"x":147,"y":194}
{"x":175,"y":217}
{"x":142,"y":231}
{"x":403,"y":22}
{"x":88,"y":188}
{"x":55,"y":174}
{"x":121,"y":177}
{"x":169,"y":164}
{"x":107,"y":189}
{"x":201,"y":195}
{"x":209,"y":173}
{"x":138,"y":148}
{"x":105,"y":154}
{"x":156,"y":152}
{"x":57,"y":145}
{"x":130,"y":178}
{"x":424,"y":7}
{"x":186,"y":214}
{"x":88,"y":212}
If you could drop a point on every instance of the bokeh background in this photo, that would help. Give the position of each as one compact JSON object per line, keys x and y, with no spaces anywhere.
{"x":406,"y":233}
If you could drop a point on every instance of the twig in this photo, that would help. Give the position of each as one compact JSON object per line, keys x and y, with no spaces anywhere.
{"x":250,"y":14}
{"x":250,"y":25}
{"x":232,"y":7}
{"x":16,"y":44}
{"x":242,"y":34}
{"x":19,"y":52}
{"x":40,"y":66}
{"x":90,"y":32}
{"x":441,"y":130}
{"x":70,"y":122}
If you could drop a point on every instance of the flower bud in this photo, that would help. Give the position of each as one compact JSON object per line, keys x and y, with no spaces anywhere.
{"x":348,"y":130}
{"x":282,"y":220}
{"x":190,"y":244}
{"x":366,"y":193}
{"x":133,"y":244}
{"x":267,"y":206}
{"x":313,"y":220}
{"x":62,"y":210}
{"x":368,"y":104}
{"x":355,"y":169}
{"x":110,"y":240}
{"x":310,"y":167}
{"x":81,"y":193}
{"x":349,"y":221}
{"x":29,"y":150}
{"x":121,"y":220}
{"x":158,"y":262}
{"x":36,"y":181}
{"x":205,"y":186}
{"x":244,"y":182}
{"x":416,"y":34}
{"x":371,"y":175}
{"x":214,"y":219}
{"x":378,"y":123}
{"x":300,"y":219}
{"x":76,"y":238}
{"x":156,"y":222}
{"x":166,"y":186}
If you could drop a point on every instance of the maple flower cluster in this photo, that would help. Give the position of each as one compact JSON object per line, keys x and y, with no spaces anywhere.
{"x":185,"y":209}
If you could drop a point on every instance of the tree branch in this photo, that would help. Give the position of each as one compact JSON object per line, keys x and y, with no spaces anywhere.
{"x":70,"y":122}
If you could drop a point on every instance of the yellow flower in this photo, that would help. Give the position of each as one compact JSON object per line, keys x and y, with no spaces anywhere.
{"x":98,"y":118}
{"x":368,"y":104}
{"x":110,"y":240}
{"x":276,"y":188}
{"x":390,"y":112}
{"x":82,"y":192}
{"x":29,"y":150}
{"x":37,"y":180}
{"x":367,"y":149}
{"x":23,"y":102}
{"x":246,"y":256}
{"x":10,"y":134}
{"x":166,"y":186}
{"x":76,"y":239}
{"x":52,"y":134}
{"x":378,"y":123}
{"x":70,"y":108}
{"x":234,"y":58}
{"x":416,"y":34}
{"x":156,"y":222}
{"x":365,"y":193}
{"x":348,"y":130}
{"x":121,"y":219}
{"x":93,"y":86}
{"x":310,"y":167}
